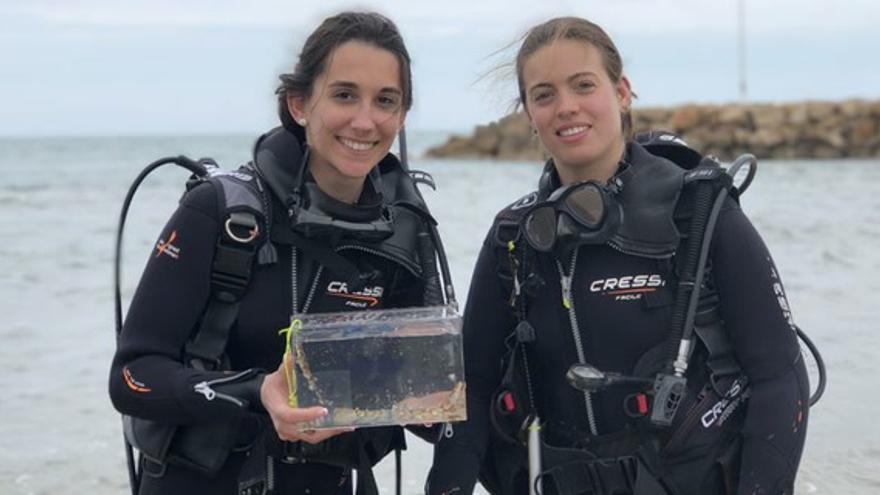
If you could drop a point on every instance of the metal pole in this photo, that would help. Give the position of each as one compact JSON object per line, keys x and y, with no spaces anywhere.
{"x":741,"y":48}
{"x":534,"y":454}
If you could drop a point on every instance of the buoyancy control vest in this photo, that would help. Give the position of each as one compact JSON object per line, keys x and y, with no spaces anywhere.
{"x":660,"y":206}
{"x":248,"y":231}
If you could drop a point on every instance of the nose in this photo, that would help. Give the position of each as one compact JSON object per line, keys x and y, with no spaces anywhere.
{"x":567,"y":105}
{"x":363,"y":121}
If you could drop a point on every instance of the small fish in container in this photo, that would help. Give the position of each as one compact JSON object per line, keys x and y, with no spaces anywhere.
{"x":375,"y":368}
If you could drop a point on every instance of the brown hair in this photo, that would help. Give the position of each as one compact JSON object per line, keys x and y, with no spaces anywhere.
{"x":368,"y":27}
{"x":573,"y":28}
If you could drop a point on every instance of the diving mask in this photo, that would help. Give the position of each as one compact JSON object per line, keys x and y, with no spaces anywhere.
{"x":580,"y":213}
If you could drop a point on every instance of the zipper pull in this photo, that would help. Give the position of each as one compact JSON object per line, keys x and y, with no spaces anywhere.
{"x":206,"y":390}
{"x":565,"y":281}
{"x":448,"y":431}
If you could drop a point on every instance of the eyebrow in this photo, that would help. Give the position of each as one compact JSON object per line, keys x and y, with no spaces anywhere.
{"x":351,"y":85}
{"x":568,"y":79}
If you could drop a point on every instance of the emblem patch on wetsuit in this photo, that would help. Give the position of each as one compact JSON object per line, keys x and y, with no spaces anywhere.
{"x":627,"y":288}
{"x":362,"y":299}
{"x":167,"y":247}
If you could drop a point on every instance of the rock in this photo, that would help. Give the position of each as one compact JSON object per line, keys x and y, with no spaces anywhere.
{"x":768,"y":138}
{"x":799,"y":116}
{"x":519,"y":147}
{"x":486,"y":139}
{"x":735,"y":116}
{"x":769,"y":116}
{"x":820,"y":110}
{"x":864,"y":131}
{"x":851,"y":108}
{"x":686,"y":117}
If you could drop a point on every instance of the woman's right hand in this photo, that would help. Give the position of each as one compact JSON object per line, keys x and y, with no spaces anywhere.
{"x":287,"y":420}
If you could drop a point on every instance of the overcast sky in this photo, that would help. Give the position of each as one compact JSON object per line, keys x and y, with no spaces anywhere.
{"x":87,"y":67}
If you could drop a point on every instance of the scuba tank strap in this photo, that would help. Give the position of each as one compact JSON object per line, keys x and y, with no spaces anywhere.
{"x":720,"y":358}
{"x":231,"y":272}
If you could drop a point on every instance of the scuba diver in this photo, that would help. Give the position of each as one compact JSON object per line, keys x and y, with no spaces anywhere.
{"x":645,"y":342}
{"x":323,"y":219}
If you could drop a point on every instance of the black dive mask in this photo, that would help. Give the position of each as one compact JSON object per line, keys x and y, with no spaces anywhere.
{"x":317,"y":214}
{"x":580,"y":213}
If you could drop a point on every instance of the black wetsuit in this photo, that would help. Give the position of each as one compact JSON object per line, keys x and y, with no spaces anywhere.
{"x":148,"y":378}
{"x":622,"y":305}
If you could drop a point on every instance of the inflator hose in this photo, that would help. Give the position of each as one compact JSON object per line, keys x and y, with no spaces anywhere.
{"x":199,"y":170}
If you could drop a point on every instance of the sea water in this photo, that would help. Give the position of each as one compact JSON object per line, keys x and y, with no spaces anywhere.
{"x":59,"y":206}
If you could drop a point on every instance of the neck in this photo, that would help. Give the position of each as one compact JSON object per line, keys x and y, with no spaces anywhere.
{"x":599,"y":170}
{"x":334,"y":184}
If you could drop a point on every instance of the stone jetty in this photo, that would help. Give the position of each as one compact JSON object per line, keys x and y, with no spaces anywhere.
{"x":802,"y":130}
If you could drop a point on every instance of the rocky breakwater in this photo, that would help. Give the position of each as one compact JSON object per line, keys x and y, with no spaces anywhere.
{"x":812,"y":129}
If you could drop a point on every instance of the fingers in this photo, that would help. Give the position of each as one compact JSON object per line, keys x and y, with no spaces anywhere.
{"x":300,"y":414}
{"x":294,"y":432}
{"x":288,"y":421}
{"x":317,"y":436}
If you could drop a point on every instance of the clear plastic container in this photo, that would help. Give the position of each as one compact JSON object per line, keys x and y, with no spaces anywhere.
{"x":383,"y":367}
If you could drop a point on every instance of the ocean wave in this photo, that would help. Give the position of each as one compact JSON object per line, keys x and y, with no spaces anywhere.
{"x":833,"y":258}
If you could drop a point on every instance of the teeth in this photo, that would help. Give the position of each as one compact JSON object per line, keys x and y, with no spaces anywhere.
{"x":573,"y":130}
{"x":356,"y":145}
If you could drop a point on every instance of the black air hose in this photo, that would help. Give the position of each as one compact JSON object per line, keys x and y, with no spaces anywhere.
{"x":691,"y":257}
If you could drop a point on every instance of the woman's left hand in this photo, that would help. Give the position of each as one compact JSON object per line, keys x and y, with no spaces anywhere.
{"x":288,"y":421}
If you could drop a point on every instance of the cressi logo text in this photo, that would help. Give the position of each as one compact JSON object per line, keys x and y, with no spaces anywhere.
{"x":627,"y":288}
{"x":364,"y":298}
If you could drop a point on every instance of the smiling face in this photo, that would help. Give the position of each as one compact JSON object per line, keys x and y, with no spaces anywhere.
{"x":576,"y":109}
{"x":352,"y":116}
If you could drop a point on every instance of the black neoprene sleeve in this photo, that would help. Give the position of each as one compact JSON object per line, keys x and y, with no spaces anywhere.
{"x":759,"y":322}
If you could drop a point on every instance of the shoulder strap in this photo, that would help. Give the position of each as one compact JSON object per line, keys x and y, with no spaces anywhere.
{"x":244,"y":216}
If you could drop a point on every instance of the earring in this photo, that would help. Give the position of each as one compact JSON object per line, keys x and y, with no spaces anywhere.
{"x":301,"y":122}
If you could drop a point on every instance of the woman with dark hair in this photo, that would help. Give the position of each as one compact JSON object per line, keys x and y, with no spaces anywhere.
{"x":323,"y":230}
{"x":578,"y":303}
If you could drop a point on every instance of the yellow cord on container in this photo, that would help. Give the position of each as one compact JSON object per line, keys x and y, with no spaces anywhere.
{"x":291,"y":333}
